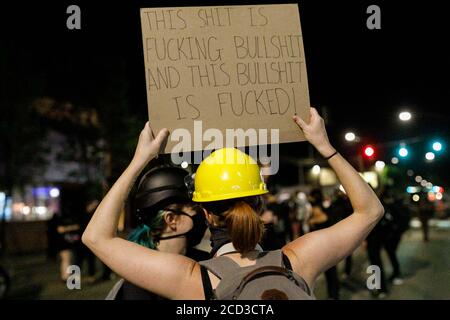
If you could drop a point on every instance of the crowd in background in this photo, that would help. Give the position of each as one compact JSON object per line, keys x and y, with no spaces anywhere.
{"x":287,"y":216}
{"x":292,"y":214}
{"x":64,"y":243}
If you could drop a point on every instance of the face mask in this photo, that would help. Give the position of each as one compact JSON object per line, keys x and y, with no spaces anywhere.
{"x":219,"y":237}
{"x":195,"y":235}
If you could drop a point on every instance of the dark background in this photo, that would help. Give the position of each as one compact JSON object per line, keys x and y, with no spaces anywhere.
{"x":363,"y":77}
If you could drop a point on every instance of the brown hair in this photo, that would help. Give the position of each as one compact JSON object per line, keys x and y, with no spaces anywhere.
{"x":242,"y":220}
{"x":245,"y":227}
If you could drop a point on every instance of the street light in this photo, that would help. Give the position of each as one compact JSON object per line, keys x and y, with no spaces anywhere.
{"x":54,"y":192}
{"x":316,"y":170}
{"x":394,"y":160}
{"x":429,"y":156}
{"x":350,"y":136}
{"x":379,"y":165}
{"x":405,"y":116}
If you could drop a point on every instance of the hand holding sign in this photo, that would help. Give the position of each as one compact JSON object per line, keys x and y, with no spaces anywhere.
{"x":149,"y":146}
{"x":315,"y":132}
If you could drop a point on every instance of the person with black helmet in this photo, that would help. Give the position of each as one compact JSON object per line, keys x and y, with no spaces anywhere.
{"x":168,"y":222}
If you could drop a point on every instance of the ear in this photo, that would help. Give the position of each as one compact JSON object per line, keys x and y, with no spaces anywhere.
{"x":208,"y":216}
{"x":171,"y":220}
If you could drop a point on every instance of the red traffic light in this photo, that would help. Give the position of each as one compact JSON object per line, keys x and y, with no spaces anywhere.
{"x":369,"y":151}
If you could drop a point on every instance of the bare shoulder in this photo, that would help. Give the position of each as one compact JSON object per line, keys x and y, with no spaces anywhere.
{"x":214,"y":279}
{"x":190,"y":287}
{"x":299,"y":260}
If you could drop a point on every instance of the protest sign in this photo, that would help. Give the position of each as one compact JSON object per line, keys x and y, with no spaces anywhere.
{"x":229,"y":67}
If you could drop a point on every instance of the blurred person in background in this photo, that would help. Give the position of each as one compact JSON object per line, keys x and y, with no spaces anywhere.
{"x":67,"y":239}
{"x":82,"y":253}
{"x":320,"y":220}
{"x":273,"y":218}
{"x":53,"y":237}
{"x":168,"y":222}
{"x":68,"y":226}
{"x":284,"y":209}
{"x":398,"y":217}
{"x":426,"y":212}
{"x":303,"y":211}
{"x":375,"y":242}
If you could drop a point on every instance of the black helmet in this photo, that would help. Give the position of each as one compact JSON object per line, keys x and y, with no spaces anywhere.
{"x":159,"y":187}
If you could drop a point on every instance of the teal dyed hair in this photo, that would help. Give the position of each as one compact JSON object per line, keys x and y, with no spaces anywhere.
{"x":145,"y":234}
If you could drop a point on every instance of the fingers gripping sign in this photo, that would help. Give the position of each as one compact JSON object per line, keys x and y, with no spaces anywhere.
{"x":149,"y":145}
{"x":315,"y":132}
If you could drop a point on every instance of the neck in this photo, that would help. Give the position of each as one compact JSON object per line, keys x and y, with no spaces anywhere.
{"x":174,"y":245}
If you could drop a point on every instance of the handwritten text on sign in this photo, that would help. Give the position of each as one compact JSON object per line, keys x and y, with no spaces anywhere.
{"x":230,"y":67}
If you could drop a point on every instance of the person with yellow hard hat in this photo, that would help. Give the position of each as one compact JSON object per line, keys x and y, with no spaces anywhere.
{"x":225,"y":175}
{"x":228,"y":185}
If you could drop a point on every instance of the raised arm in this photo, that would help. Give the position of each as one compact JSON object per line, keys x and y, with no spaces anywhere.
{"x":317,"y":251}
{"x":169,"y":275}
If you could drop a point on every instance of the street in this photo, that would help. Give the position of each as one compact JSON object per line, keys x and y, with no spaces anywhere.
{"x":424,"y":267}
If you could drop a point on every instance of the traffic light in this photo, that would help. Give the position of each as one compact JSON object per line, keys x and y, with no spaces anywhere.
{"x":437,"y":146}
{"x":403,"y":152}
{"x":369,"y":151}
{"x":438,"y":189}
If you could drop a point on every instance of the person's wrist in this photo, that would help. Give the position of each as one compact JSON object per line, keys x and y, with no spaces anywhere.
{"x":326,"y":150}
{"x":138,"y":163}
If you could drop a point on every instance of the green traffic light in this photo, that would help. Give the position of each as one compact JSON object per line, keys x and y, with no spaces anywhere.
{"x":403,"y":152}
{"x":437,"y":146}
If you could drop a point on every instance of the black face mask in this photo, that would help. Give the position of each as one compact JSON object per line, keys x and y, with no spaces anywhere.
{"x":219,"y":237}
{"x":195,"y":235}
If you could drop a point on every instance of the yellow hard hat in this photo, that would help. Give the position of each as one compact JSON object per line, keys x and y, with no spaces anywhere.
{"x":227,"y":174}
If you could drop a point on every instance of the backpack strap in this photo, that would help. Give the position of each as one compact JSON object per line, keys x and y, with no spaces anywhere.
{"x":220,"y":267}
{"x":207,"y":287}
{"x":286,"y":262}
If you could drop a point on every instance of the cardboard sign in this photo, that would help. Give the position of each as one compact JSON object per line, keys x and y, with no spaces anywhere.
{"x":234,"y":67}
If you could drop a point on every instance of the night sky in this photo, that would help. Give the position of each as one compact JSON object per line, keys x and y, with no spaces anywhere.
{"x":363,"y":77}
